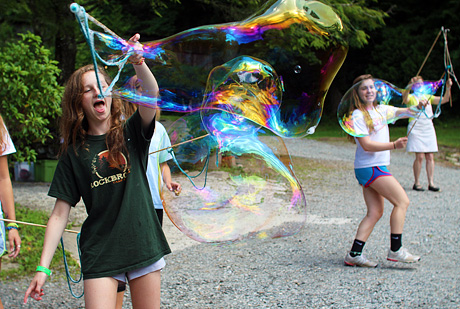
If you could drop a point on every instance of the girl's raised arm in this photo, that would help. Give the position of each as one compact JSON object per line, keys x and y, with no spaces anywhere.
{"x":446,"y":96}
{"x":147,"y":80}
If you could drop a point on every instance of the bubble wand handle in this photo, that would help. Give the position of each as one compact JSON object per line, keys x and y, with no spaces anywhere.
{"x":413,"y":125}
{"x":80,"y":13}
{"x":82,"y":18}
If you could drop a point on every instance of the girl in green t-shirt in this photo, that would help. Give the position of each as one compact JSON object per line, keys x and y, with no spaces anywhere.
{"x":103,"y":161}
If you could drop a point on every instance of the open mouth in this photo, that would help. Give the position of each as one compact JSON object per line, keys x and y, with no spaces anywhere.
{"x":99,"y":106}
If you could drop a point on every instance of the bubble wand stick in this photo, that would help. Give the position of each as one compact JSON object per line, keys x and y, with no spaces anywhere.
{"x":449,"y":71}
{"x":34,"y":224}
{"x":181,"y":143}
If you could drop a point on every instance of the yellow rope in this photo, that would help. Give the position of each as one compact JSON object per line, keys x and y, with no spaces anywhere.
{"x":34,"y":224}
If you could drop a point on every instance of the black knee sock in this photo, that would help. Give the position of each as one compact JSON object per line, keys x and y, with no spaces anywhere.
{"x":357,"y":248}
{"x":396,"y":242}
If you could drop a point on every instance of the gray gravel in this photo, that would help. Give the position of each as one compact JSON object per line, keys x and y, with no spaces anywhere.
{"x":306,"y":270}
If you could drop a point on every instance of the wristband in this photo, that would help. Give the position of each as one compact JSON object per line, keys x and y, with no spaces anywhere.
{"x":11,"y":226}
{"x":44,"y":270}
{"x":394,"y":145}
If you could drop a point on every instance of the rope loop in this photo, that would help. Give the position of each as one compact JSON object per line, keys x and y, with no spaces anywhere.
{"x":67,"y":272}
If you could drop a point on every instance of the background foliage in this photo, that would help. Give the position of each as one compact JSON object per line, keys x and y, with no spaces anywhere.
{"x":387,"y":38}
{"x":29,"y":93}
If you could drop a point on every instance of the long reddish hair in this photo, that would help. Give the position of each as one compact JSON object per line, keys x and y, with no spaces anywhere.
{"x":74,"y":125}
{"x":357,"y":103}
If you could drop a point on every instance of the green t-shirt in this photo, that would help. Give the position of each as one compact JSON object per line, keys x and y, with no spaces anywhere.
{"x":122,"y":231}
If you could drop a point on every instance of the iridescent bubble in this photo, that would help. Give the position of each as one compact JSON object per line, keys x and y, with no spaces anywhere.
{"x":236,"y":84}
{"x":243,"y":87}
{"x":243,"y":186}
{"x":241,"y":183}
{"x":183,"y":62}
{"x":381,"y":93}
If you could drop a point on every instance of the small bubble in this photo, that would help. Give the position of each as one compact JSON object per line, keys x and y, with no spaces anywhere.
{"x":297,"y":69}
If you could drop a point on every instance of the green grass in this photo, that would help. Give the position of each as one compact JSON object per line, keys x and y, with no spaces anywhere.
{"x":328,"y":129}
{"x":171,"y":117}
{"x":31,"y":248}
{"x":447,"y":131}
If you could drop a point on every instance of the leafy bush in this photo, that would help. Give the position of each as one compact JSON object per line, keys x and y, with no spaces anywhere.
{"x":29,"y":93}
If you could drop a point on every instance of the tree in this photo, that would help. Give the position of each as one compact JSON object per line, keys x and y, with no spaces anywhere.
{"x":30,"y":94}
{"x":361,"y":20}
{"x":400,"y":48}
{"x":56,"y":25}
{"x":156,"y":19}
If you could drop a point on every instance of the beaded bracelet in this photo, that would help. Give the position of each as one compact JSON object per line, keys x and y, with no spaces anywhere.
{"x":43,"y":269}
{"x":11,"y":226}
{"x":140,"y":62}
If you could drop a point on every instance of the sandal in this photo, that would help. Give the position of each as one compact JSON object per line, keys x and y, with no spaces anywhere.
{"x":434,"y":189}
{"x":419,"y":188}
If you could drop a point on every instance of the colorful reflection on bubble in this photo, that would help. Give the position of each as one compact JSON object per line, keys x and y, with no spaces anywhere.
{"x":279,"y":35}
{"x":243,"y":186}
{"x":243,"y":86}
{"x":387,"y":94}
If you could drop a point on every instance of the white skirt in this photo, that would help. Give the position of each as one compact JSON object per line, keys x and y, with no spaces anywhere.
{"x":422,"y":137}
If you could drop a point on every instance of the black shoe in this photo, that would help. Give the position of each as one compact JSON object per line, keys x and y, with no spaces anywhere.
{"x":419,"y":188}
{"x":434,"y":189}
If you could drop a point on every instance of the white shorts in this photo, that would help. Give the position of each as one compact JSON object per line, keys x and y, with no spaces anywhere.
{"x":133,"y":274}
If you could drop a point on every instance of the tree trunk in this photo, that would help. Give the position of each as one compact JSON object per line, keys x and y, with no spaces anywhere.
{"x":66,"y":47}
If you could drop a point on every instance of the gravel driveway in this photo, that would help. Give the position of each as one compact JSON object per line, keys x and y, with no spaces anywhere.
{"x":306,"y":270}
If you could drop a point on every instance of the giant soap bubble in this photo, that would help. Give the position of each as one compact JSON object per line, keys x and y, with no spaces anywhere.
{"x":242,"y":182}
{"x":282,"y":34}
{"x":242,"y":87}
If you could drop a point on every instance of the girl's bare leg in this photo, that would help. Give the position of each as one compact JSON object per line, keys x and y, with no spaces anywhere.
{"x":100,"y":293}
{"x":429,"y":157}
{"x":417,"y":167}
{"x":374,"y":203}
{"x":389,"y":188}
{"x":146,"y":291}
